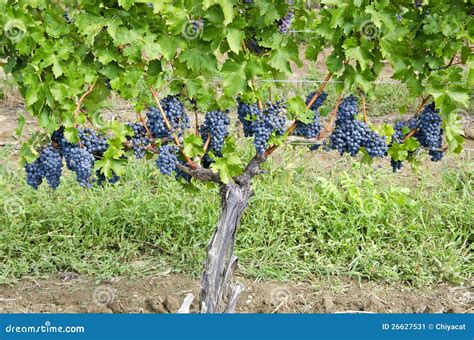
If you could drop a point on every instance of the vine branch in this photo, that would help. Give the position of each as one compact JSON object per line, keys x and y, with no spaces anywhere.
{"x":81,"y":100}
{"x":330,"y":125}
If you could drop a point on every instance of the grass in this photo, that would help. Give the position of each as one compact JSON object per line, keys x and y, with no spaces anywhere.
{"x":300,"y":223}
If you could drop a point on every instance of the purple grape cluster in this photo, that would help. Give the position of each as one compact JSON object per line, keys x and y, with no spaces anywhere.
{"x":246,"y":114}
{"x":139,"y":140}
{"x":79,"y":158}
{"x":102,"y":179}
{"x":176,"y":114}
{"x":93,"y":141}
{"x":216,"y":125}
{"x":312,"y":129}
{"x":182,"y":174}
{"x":48,"y":165}
{"x":67,"y":17}
{"x":284,"y":24}
{"x":430,"y":133}
{"x":198,"y":25}
{"x":350,"y":135}
{"x":418,"y":3}
{"x":254,"y":47}
{"x":260,"y":124}
{"x":167,"y":159}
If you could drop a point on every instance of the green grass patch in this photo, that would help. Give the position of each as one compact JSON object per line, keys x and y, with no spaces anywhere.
{"x":350,"y":221}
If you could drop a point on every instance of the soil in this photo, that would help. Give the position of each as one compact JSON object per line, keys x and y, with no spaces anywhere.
{"x":68,"y":293}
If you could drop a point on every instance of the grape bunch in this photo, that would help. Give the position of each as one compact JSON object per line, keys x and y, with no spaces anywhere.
{"x":80,"y":161}
{"x":284,"y":24}
{"x":396,"y":165}
{"x":93,"y":141}
{"x":198,"y":25}
{"x":167,"y":159}
{"x":350,"y":134}
{"x":246,"y":114}
{"x":176,"y":115}
{"x":216,"y":126}
{"x":254,"y":47}
{"x":262,"y":123}
{"x":430,"y":133}
{"x":314,"y":128}
{"x":102,"y":179}
{"x":67,"y":17}
{"x":139,"y":139}
{"x":47,"y":166}
{"x":418,"y":3}
{"x":181,"y":174}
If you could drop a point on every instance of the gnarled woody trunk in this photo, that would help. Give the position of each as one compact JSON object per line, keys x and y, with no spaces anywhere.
{"x":219,"y":293}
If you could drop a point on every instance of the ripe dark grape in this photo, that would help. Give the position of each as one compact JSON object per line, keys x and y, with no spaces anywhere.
{"x":67,"y":17}
{"x":430,"y":133}
{"x":246,"y":114}
{"x":350,"y":135}
{"x":139,"y":140}
{"x":262,"y":123}
{"x":418,"y":3}
{"x":216,"y":125}
{"x":167,"y":159}
{"x":80,"y":161}
{"x":48,"y":166}
{"x":102,"y":179}
{"x":93,"y":141}
{"x":254,"y":47}
{"x":181,"y":174}
{"x":284,"y":24}
{"x":34,"y":174}
{"x":313,"y":129}
{"x":176,"y":114}
{"x":198,"y":25}
{"x":396,"y":165}
{"x":52,"y":164}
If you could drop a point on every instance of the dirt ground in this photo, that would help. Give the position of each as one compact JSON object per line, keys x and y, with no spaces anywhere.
{"x":68,"y":293}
